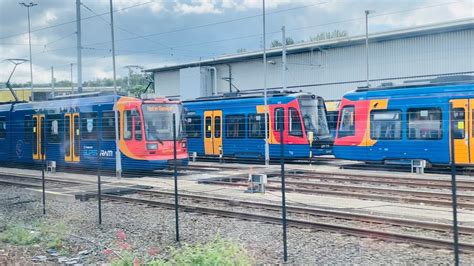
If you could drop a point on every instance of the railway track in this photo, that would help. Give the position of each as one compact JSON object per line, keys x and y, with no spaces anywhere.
{"x":322,"y":212}
{"x":275,"y":219}
{"x":435,"y":183}
{"x":33,"y":181}
{"x":331,"y":227}
{"x":363,"y":192}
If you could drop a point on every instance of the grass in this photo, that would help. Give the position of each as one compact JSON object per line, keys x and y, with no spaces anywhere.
{"x":19,"y":235}
{"x":49,"y":236}
{"x":215,"y":253}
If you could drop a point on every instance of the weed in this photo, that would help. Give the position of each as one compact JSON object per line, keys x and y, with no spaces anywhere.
{"x":50,"y":236}
{"x":217,"y":252}
{"x":18,"y":235}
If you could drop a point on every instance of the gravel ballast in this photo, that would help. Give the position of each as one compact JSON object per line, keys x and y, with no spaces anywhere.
{"x":147,"y":227}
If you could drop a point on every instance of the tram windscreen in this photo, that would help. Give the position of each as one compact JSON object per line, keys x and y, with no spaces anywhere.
{"x":314,"y":116}
{"x":159,"y":121}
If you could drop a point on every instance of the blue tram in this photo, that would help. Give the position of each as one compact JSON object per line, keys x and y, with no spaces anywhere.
{"x":73,"y":131}
{"x":408,"y":122}
{"x":233,"y":125}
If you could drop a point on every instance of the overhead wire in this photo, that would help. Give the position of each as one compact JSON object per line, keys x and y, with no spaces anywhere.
{"x":74,"y":21}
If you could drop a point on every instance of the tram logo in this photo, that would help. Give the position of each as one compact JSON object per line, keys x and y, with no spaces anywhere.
{"x":19,"y":148}
{"x":106,"y":153}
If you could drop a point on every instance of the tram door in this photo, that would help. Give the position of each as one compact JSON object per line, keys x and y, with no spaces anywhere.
{"x":72,"y":137}
{"x":213,"y":132}
{"x":38,"y":135}
{"x":462,"y":112}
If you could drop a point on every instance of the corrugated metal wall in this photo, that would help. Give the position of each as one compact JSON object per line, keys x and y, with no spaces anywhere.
{"x":332,"y":72}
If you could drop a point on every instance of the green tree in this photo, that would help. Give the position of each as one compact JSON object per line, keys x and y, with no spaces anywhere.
{"x":276,"y":43}
{"x":329,"y":35}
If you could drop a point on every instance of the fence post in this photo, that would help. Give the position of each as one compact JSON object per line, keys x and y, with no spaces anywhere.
{"x":42,"y":129}
{"x":99,"y":182}
{"x":453,"y":190}
{"x":175,"y":172}
{"x":283,"y":195}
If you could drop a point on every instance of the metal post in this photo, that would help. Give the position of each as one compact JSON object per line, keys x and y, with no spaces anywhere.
{"x":265,"y":103}
{"x":128,"y":80}
{"x":367,"y":12}
{"x":454,"y":194}
{"x":283,"y":56}
{"x":118,"y":156}
{"x":72,"y":84}
{"x":29,"y":42}
{"x":99,"y":182}
{"x":42,"y":146}
{"x":283,"y":195}
{"x":52,"y":83}
{"x":175,"y":180}
{"x":79,"y":46}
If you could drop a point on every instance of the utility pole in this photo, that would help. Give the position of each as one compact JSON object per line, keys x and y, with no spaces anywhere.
{"x":79,"y":46}
{"x":282,"y":154}
{"x":265,"y":103}
{"x":367,"y":12}
{"x":72,"y":84}
{"x":283,"y":57}
{"x":52,"y":82}
{"x":31,"y":4}
{"x":118,"y":156}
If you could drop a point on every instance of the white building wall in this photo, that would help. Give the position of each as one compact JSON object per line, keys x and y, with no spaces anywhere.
{"x":332,"y":72}
{"x":167,"y":83}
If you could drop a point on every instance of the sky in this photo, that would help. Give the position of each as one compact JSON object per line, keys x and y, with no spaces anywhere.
{"x":153,"y":33}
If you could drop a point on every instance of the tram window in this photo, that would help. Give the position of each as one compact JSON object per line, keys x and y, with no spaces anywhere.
{"x":27,"y":129}
{"x":458,"y":116}
{"x":235,"y":126}
{"x":294,"y":123}
{"x":217,"y":125}
{"x":108,"y":125}
{"x":347,"y":124}
{"x":3,"y":127}
{"x":208,"y":126}
{"x":279,"y":119}
{"x":385,"y":124}
{"x":138,"y":126}
{"x":89,"y":125}
{"x":424,"y":123}
{"x":193,"y":126}
{"x":53,"y":128}
{"x":127,"y":125}
{"x":256,"y":126}
{"x":332,"y":120}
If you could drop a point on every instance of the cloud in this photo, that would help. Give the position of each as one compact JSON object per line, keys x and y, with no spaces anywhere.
{"x":162,"y":18}
{"x":198,"y":7}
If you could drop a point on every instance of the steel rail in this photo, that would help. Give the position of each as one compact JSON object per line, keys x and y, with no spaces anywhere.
{"x":356,"y":231}
{"x":430,"y":182}
{"x":322,"y":212}
{"x":366,"y":195}
{"x":388,"y":236}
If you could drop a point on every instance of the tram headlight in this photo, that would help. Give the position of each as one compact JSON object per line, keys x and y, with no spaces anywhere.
{"x":152,"y":146}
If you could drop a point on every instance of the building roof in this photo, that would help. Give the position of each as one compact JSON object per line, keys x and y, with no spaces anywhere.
{"x":455,"y":25}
